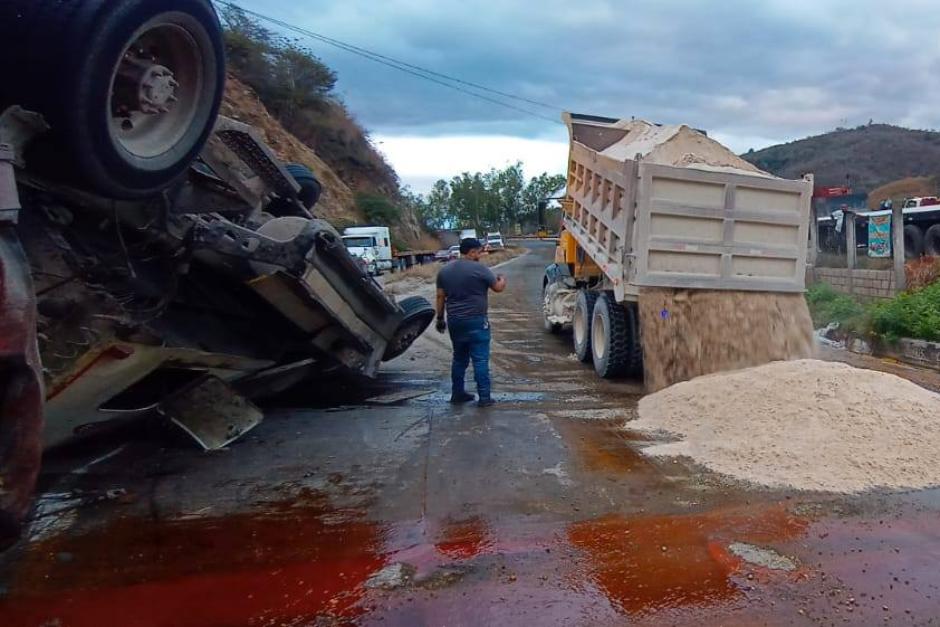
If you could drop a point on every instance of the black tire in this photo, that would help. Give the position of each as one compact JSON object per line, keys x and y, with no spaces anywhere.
{"x":418,"y":316}
{"x":550,"y":327}
{"x":581,"y":326}
{"x":615,"y":346}
{"x":66,"y":54}
{"x":913,"y":241}
{"x":932,"y":241}
{"x":310,"y":188}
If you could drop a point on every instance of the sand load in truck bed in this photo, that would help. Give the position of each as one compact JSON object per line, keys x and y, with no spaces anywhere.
{"x":679,"y":146}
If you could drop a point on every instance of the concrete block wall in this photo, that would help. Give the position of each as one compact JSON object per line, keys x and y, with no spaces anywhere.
{"x":866,"y":285}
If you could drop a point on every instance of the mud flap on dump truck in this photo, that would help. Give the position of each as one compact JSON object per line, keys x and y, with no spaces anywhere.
{"x":21,"y":386}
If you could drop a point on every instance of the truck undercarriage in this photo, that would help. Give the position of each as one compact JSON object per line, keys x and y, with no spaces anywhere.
{"x":186,"y":299}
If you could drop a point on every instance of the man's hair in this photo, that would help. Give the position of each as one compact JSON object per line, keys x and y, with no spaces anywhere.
{"x":471,"y":243}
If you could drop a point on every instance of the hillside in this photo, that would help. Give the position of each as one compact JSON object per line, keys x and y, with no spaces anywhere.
{"x":871,"y":156}
{"x":288,"y":93}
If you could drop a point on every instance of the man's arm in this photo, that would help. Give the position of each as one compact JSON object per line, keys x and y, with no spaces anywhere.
{"x":441,"y":325}
{"x":441,"y":299}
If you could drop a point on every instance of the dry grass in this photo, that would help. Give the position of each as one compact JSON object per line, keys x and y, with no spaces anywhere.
{"x":428,"y":271}
{"x":921,"y":272}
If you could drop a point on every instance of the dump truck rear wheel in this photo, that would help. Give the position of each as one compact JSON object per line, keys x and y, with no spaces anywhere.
{"x":614,"y":338}
{"x":913,"y":241}
{"x":131,"y":89}
{"x":581,"y":325}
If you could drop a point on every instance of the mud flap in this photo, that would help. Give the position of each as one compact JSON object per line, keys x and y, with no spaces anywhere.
{"x":211,"y":412}
{"x":21,"y":385}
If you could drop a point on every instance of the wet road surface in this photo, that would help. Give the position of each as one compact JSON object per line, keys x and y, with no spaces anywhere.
{"x":343,"y":510}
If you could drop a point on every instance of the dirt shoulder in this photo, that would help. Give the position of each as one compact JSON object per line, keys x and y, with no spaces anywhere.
{"x":418,"y":278}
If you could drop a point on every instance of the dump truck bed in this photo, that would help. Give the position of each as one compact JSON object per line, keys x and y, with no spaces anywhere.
{"x":710,"y":222}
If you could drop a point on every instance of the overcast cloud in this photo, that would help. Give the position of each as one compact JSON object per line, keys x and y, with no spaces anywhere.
{"x":751,"y":73}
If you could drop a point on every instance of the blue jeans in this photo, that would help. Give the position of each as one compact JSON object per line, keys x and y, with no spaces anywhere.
{"x":471,"y":340}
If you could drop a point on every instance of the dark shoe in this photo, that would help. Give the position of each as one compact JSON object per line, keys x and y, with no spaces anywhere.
{"x":485,"y":402}
{"x":463,"y":397}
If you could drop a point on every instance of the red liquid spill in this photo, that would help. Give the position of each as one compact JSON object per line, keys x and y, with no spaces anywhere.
{"x":243,"y":569}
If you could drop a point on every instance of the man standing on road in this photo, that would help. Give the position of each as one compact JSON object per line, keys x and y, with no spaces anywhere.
{"x":462,"y":287}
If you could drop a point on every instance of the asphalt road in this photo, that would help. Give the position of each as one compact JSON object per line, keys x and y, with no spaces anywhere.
{"x":346,"y":508}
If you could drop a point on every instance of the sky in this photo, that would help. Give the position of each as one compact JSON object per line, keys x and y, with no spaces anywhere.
{"x":751,"y":73}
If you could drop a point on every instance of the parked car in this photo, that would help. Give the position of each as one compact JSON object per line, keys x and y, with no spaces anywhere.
{"x":494,"y":241}
{"x":454,"y":252}
{"x":442,"y":255}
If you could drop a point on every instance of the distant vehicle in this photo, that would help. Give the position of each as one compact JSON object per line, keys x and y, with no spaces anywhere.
{"x":467,"y":234}
{"x":495,"y":240}
{"x":442,"y":255}
{"x":924,"y":201}
{"x":365,"y":249}
{"x":454,"y":252}
{"x":383,"y":244}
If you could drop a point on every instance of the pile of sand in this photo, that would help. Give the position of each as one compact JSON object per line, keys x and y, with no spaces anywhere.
{"x":688,"y":333}
{"x":677,"y":145}
{"x":806,"y":424}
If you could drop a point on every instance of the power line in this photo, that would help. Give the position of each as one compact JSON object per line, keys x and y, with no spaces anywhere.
{"x":402,"y":66}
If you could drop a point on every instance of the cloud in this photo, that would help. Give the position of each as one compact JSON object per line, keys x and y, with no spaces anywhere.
{"x":775,"y":70}
{"x":420,"y":161}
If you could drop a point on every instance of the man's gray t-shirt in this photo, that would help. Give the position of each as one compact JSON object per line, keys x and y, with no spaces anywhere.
{"x":465,"y":283}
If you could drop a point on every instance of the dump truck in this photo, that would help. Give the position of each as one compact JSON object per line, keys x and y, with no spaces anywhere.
{"x":654,"y":206}
{"x":156,"y":258}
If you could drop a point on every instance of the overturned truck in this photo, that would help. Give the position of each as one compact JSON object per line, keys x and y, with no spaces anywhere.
{"x":155,"y":258}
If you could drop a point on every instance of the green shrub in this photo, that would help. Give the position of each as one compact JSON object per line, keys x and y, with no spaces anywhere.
{"x":379,"y":210}
{"x":911,"y":314}
{"x":827,"y":305}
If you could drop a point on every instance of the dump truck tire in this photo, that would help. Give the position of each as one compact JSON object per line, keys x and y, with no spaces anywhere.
{"x":581,"y":326}
{"x":418,"y":316}
{"x":913,"y":241}
{"x":131,"y":89}
{"x":932,"y":241}
{"x":615,"y":338}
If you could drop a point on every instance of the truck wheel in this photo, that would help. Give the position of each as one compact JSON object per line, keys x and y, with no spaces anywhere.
{"x":913,"y":241}
{"x":131,"y":89}
{"x":581,"y":325}
{"x":932,"y":241}
{"x":418,"y":316}
{"x":615,"y":338}
{"x":310,"y":188}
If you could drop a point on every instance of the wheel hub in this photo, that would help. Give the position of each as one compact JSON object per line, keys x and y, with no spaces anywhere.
{"x":156,"y":90}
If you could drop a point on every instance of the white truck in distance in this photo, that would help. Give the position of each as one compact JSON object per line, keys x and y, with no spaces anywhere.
{"x":378,"y":251}
{"x":467,"y":234}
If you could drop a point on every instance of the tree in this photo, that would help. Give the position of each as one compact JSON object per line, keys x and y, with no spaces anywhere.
{"x":493,"y":200}
{"x":378,"y":209}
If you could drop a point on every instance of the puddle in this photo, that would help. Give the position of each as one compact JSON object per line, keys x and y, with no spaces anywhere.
{"x":645,"y":564}
{"x":288,"y":566}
